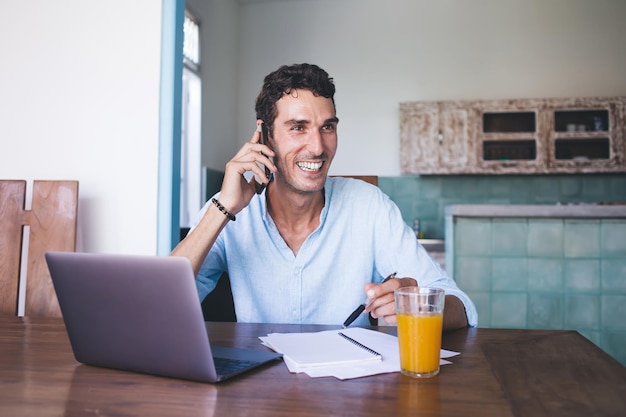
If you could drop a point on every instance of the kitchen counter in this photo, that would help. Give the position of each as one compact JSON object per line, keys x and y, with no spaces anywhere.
{"x":562,"y":211}
{"x":543,"y":266}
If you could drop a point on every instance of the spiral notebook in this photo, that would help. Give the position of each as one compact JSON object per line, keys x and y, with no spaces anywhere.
{"x":331,"y":348}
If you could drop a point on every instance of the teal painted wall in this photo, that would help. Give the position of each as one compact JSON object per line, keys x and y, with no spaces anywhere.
{"x":425,"y":197}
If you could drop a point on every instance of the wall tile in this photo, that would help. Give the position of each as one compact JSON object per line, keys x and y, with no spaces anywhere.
{"x":482,"y":301}
{"x":545,"y":275}
{"x":613,"y":242}
{"x":595,"y":186}
{"x":426,"y":210}
{"x":409,"y":187}
{"x":613,"y":343}
{"x":582,"y":312}
{"x":545,"y":237}
{"x":570,"y":187}
{"x":406,"y":204}
{"x":613,"y":312}
{"x":473,"y":273}
{"x":472,"y":237}
{"x":614,"y":275}
{"x":582,"y":275}
{"x":430,"y":187}
{"x":509,"y":274}
{"x":500,"y":187}
{"x":617,"y":188}
{"x":545,"y":190}
{"x":509,"y":237}
{"x":508,"y":310}
{"x":524,"y":191}
{"x":582,"y":238}
{"x":466,"y":187}
{"x":545,"y":311}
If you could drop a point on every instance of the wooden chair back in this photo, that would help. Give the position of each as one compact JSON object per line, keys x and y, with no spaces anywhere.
{"x":52,"y":221}
{"x":372,"y":179}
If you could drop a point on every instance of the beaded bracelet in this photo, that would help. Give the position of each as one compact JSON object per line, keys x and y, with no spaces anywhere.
{"x":221,"y":208}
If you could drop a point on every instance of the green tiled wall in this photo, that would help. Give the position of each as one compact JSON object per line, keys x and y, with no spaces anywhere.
{"x":546,"y":274}
{"x":425,"y":197}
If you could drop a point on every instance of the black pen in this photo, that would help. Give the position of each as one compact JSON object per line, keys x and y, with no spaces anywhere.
{"x":362,"y":306}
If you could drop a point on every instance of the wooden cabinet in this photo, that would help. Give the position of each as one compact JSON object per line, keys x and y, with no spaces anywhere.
{"x":442,"y":136}
{"x":587,"y":135}
{"x":509,"y":137}
{"x":526,"y":136}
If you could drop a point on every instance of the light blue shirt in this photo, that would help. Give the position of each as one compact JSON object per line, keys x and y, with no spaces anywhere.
{"x":361,"y":238}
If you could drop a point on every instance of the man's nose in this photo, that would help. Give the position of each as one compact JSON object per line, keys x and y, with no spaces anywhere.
{"x":315,"y":142}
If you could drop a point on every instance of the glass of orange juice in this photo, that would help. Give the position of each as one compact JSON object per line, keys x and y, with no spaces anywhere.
{"x":420,"y":323}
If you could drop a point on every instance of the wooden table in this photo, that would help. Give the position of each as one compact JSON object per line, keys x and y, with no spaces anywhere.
{"x":499,"y":373}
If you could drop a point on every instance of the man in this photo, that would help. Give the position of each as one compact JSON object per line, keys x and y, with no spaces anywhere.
{"x":309,"y":248}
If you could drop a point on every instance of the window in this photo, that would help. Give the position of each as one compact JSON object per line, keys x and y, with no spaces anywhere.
{"x":191,"y":193}
{"x":191,"y":42}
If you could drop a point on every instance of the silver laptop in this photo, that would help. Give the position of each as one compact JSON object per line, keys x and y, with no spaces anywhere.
{"x":141,"y":314}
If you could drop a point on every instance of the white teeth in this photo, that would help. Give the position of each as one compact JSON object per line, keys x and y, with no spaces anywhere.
{"x":310,"y":166}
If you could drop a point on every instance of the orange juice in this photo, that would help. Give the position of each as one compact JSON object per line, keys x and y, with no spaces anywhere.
{"x":419,"y":337}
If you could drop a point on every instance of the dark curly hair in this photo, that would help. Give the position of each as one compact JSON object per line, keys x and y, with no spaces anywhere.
{"x":285,"y":80}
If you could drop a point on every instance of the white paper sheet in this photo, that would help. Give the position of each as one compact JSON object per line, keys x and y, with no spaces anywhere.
{"x":307,"y":352}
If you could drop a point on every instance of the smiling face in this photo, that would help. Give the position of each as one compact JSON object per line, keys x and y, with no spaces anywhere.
{"x":304,"y":138}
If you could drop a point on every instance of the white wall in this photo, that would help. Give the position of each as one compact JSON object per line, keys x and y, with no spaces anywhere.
{"x":79,"y":81}
{"x":79,"y":99}
{"x":384,"y":52}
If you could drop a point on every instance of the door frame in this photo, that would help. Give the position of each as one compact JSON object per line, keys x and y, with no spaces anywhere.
{"x":170,"y":108}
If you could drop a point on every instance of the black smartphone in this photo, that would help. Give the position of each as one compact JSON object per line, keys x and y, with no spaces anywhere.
{"x":263,"y":140}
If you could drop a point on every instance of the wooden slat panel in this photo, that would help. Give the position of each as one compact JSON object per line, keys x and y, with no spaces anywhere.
{"x":12,"y":199}
{"x":52,"y":228}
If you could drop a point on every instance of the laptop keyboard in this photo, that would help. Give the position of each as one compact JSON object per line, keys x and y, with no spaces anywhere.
{"x":226,"y":366}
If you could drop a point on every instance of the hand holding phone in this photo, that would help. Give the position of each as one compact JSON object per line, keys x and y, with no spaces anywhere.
{"x":263,"y":140}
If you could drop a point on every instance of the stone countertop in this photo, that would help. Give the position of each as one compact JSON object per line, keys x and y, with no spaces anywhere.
{"x":556,"y":211}
{"x":435,"y":245}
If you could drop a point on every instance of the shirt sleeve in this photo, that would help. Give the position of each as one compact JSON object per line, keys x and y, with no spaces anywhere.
{"x":397,"y":249}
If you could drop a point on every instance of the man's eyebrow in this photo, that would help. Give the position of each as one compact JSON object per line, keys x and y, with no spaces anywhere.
{"x":294,"y":122}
